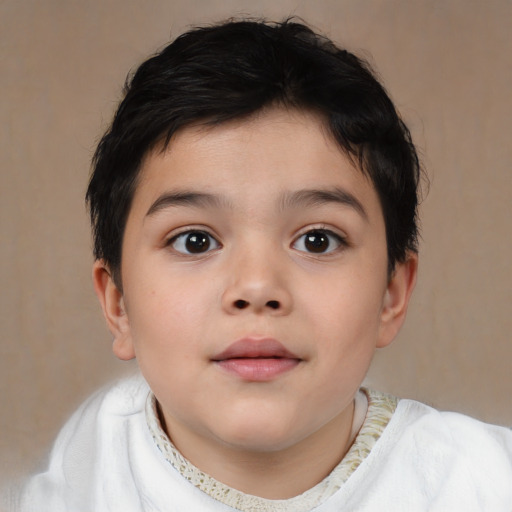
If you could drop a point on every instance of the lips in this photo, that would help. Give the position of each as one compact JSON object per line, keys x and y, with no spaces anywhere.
{"x":256,"y":359}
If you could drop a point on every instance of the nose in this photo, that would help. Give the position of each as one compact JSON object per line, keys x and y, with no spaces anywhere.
{"x":257,"y":283}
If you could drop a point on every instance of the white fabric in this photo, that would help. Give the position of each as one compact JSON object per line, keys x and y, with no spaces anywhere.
{"x":106,"y":461}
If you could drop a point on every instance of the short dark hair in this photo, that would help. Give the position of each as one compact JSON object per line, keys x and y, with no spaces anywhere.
{"x":229,"y":71}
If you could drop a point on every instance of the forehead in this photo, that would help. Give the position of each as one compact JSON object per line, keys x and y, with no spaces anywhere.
{"x":272,"y":153}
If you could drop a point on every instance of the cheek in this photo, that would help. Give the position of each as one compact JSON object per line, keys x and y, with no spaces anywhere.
{"x":167,"y":316}
{"x":353,"y":307}
{"x":167,"y":345}
{"x":347,"y":324}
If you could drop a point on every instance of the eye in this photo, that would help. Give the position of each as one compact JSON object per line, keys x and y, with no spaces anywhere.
{"x":193,"y":242}
{"x":318,"y":241}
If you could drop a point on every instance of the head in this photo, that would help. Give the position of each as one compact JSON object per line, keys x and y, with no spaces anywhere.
{"x":254,"y":207}
{"x":216,"y":74}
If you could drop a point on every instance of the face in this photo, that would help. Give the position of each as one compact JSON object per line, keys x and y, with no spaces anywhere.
{"x":255,"y":286}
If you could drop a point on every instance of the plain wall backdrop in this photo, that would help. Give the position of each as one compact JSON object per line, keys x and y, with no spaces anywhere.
{"x":448,"y":67}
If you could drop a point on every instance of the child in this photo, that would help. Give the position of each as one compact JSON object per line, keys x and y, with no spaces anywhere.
{"x":254,"y":214}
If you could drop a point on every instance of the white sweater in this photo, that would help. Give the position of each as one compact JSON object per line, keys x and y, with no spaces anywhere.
{"x":105,"y":460}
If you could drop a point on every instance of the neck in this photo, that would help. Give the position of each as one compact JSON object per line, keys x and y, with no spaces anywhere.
{"x":274,"y":475}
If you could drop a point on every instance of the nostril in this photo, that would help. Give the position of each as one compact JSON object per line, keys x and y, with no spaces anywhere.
{"x":241,"y":304}
{"x":274,"y":304}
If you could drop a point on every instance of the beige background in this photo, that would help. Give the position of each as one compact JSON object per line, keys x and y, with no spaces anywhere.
{"x":62,"y":64}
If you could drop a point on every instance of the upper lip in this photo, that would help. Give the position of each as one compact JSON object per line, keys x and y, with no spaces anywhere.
{"x":255,"y":347}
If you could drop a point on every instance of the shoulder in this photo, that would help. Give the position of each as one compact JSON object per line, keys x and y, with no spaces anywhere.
{"x":419,"y":432}
{"x":105,"y":410}
{"x":110,"y":405}
{"x":86,"y":443}
{"x":426,"y":459}
{"x":460,"y":431}
{"x":454,"y":449}
{"x":123,"y":397}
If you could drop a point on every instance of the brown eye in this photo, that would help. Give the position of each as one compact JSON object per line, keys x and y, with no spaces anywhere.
{"x":318,"y":241}
{"x":194,"y":242}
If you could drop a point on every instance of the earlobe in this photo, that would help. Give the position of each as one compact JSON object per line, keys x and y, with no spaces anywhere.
{"x":112,"y":304}
{"x":396,"y":299}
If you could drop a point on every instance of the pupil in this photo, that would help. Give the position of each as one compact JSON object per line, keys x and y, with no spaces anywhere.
{"x":317,"y":242}
{"x":197,"y":242}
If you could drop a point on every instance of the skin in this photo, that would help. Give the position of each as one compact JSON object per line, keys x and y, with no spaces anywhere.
{"x":273,"y":437}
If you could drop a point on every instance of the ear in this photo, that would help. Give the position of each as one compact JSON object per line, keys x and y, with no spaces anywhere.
{"x":396,"y":299}
{"x":112,"y":304}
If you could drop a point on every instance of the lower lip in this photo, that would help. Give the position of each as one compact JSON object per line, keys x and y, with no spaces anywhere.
{"x":258,"y":369}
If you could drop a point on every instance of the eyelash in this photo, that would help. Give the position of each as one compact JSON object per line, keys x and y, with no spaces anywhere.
{"x":206,"y":241}
{"x":181,"y":239}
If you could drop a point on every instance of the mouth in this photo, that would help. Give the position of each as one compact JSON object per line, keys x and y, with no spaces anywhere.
{"x":256,"y":359}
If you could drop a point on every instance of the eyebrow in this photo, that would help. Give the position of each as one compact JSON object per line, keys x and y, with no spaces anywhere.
{"x":318,"y":197}
{"x":298,"y":199}
{"x":186,"y":198}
